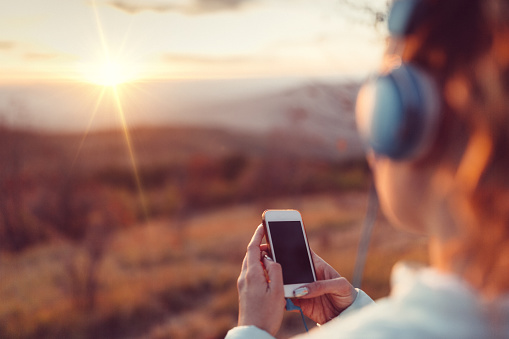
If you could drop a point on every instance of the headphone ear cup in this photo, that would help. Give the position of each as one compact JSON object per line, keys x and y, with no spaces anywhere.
{"x":397,"y":113}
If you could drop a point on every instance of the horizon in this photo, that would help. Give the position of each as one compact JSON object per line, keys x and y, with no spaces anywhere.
{"x":61,"y":106}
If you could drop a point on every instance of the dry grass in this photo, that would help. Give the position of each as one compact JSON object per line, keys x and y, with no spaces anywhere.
{"x":178,"y":280}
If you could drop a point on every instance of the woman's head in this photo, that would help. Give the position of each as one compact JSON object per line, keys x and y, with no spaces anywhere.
{"x":463,"y":179}
{"x":464,"y":45}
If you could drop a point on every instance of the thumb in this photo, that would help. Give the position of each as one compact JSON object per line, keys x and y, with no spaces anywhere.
{"x":338,"y":286}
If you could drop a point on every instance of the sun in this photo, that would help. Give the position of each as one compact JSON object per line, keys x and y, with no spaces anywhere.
{"x":111,"y":74}
{"x":108,"y":73}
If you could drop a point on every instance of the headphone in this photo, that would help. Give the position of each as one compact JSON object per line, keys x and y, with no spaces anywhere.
{"x":397,"y":112}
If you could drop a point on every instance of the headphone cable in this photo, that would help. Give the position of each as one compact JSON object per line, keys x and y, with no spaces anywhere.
{"x":367,"y":229}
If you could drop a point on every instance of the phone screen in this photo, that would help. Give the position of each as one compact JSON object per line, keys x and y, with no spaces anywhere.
{"x":289,"y":247}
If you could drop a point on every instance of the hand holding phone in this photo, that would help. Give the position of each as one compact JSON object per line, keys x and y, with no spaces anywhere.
{"x":327,"y":294}
{"x":326,"y":298}
{"x":288,"y":246}
{"x":260,"y":285}
{"x":261,"y":297}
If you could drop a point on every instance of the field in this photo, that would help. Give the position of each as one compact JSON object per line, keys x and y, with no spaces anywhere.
{"x":91,"y":251}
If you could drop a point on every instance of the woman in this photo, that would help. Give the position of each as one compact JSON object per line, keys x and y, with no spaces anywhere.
{"x":442,"y":171}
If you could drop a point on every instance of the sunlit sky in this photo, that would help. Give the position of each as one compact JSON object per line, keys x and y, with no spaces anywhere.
{"x":175,"y":39}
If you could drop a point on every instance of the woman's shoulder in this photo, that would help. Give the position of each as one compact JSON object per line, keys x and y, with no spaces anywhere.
{"x":422,"y":304}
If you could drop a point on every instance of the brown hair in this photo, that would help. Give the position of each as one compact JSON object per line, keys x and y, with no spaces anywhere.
{"x":464,"y":44}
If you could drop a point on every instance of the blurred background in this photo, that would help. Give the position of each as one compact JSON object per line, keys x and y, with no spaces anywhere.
{"x":140,"y":142}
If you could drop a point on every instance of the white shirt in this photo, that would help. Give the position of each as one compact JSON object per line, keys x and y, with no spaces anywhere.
{"x":424,"y":303}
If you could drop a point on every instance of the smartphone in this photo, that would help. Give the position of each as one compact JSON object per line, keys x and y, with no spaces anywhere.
{"x":288,"y":246}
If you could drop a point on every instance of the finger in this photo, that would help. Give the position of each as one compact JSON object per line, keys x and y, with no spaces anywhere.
{"x":253,"y":240}
{"x":317,"y":260}
{"x":339,"y":287}
{"x":253,"y":254}
{"x":264,"y":256}
{"x":274,"y":273}
{"x":322,"y":269}
{"x":315,"y":256}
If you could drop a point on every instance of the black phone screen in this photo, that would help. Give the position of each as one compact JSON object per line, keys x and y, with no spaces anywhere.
{"x":290,"y":251}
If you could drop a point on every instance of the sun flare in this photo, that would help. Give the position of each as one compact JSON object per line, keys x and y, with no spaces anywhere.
{"x":109,"y":73}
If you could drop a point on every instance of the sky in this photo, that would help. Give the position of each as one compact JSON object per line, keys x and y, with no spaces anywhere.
{"x":110,"y":41}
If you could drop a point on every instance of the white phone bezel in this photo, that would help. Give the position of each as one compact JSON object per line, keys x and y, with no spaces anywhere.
{"x":287,"y":215}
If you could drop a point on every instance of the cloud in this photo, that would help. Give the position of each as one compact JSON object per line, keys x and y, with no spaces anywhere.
{"x":40,"y":56}
{"x":34,"y":55}
{"x":204,"y":6}
{"x":5,"y":45}
{"x":192,"y":7}
{"x":134,"y":8}
{"x":215,"y":66}
{"x":203,"y":59}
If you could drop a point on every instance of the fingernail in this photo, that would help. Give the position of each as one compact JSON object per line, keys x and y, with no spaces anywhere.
{"x":300,"y":292}
{"x":268,"y":258}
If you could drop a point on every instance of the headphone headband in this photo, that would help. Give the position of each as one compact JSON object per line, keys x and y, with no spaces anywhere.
{"x":405,"y":16}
